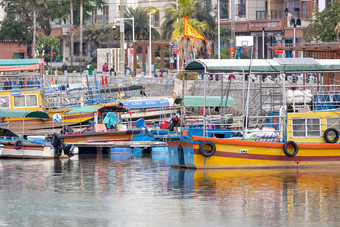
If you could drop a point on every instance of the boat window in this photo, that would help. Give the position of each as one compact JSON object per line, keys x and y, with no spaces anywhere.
{"x":4,"y":101}
{"x":19,"y":100}
{"x":333,"y":122}
{"x":25,"y":100}
{"x":31,"y":100}
{"x":306,"y":127}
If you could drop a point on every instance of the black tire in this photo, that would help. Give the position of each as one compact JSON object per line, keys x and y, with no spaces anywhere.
{"x":206,"y":152}
{"x":285,"y":150}
{"x":66,"y":129}
{"x":328,"y":140}
{"x":18,"y":145}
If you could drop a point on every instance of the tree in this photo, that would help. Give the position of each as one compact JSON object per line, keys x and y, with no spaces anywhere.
{"x":225,"y":34}
{"x":97,"y":33}
{"x":13,"y":30}
{"x":141,"y":26}
{"x":44,"y":47}
{"x":199,"y":18}
{"x":323,"y":27}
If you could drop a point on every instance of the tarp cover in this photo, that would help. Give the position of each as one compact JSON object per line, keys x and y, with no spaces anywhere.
{"x":139,"y":104}
{"x":91,"y":109}
{"x":8,"y":65}
{"x":211,"y":101}
{"x":23,"y":113}
{"x":262,"y":65}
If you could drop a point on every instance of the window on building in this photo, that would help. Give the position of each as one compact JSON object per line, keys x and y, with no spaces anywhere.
{"x":241,"y":8}
{"x":224,"y":14}
{"x":305,"y":10}
{"x":306,"y":127}
{"x":156,"y":19}
{"x":4,"y":101}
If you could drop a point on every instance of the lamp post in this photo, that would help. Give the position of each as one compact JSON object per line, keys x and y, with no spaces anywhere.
{"x":294,"y":22}
{"x":150,"y":39}
{"x":51,"y":54}
{"x":219,"y":29}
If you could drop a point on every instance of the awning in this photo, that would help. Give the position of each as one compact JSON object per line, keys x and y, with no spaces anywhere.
{"x":139,"y":104}
{"x":264,"y":65}
{"x":211,"y":101}
{"x":23,"y":113}
{"x":8,"y":65}
{"x":103,"y":109}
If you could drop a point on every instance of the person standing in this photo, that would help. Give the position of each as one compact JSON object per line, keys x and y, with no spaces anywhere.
{"x":105,"y":68}
{"x":64,"y":68}
{"x":90,"y":67}
{"x":112,"y":70}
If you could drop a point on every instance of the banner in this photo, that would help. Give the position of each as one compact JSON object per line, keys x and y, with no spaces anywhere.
{"x":189,"y":31}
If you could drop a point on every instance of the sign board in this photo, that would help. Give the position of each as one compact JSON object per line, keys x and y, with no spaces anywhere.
{"x":57,"y":117}
{"x":244,"y":41}
{"x":171,"y":60}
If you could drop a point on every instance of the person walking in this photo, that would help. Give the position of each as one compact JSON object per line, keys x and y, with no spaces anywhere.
{"x":90,"y":67}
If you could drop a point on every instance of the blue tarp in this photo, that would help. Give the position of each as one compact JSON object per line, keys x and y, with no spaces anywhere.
{"x":145,"y":103}
{"x":111,"y":120}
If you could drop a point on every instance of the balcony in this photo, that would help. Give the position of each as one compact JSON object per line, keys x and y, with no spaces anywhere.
{"x":274,"y":15}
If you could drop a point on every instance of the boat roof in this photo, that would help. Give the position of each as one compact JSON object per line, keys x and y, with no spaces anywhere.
{"x":211,"y":101}
{"x":102,"y":109}
{"x":12,"y":65}
{"x":16,"y":113}
{"x":146,"y":103}
{"x":265,"y":65}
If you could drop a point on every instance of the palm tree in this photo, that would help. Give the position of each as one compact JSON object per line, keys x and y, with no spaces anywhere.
{"x":141,"y":26}
{"x":36,"y":4}
{"x":96,"y":33}
{"x":199,"y":18}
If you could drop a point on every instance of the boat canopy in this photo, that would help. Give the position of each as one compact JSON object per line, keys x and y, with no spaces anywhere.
{"x":265,"y":65}
{"x":140,"y":104}
{"x":11,"y":65}
{"x":23,"y":113}
{"x":102,"y":109}
{"x":211,"y":101}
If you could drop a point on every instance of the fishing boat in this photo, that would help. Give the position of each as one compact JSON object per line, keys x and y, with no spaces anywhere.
{"x":32,"y":147}
{"x":35,"y":91}
{"x":303,"y":132}
{"x":107,"y":127}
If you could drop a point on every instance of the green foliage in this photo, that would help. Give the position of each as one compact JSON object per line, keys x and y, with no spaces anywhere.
{"x":13,"y":30}
{"x":141,"y":26}
{"x":225,"y":34}
{"x":44,"y":47}
{"x":323,"y":27}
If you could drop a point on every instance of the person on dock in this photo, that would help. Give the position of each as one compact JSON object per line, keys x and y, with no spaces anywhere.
{"x":64,"y":68}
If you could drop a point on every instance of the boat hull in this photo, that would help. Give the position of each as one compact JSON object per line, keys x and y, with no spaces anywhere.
{"x":28,"y":151}
{"x":100,"y":137}
{"x":251,"y":154}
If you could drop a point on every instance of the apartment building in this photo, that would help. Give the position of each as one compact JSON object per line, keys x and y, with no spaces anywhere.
{"x":270,"y":22}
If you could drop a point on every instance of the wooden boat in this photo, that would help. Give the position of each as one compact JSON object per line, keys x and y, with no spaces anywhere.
{"x":15,"y":146}
{"x":303,"y":133}
{"x":36,"y":92}
{"x":101,"y":132}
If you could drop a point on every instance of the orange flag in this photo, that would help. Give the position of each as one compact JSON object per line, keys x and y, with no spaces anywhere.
{"x":189,"y":31}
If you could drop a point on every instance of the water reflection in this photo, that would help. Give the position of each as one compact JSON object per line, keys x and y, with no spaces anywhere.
{"x":142,"y":190}
{"x":279,"y":196}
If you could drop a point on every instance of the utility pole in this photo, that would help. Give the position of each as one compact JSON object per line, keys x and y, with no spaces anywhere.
{"x":81,"y":35}
{"x":122,"y":50}
{"x":232,"y":39}
{"x":72,"y":34}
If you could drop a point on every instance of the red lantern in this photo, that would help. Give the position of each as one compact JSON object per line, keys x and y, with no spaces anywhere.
{"x":278,"y":51}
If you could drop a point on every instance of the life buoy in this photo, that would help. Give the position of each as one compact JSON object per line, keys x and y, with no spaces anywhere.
{"x":285,"y":150}
{"x":326,"y":137}
{"x":207,"y":148}
{"x":18,"y":145}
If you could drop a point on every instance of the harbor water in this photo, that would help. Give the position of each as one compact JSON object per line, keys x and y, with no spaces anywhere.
{"x":119,"y":190}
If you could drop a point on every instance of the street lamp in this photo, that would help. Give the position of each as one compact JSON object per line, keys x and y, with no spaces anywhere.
{"x":133,"y":25}
{"x":294,"y":23}
{"x":219,"y":29}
